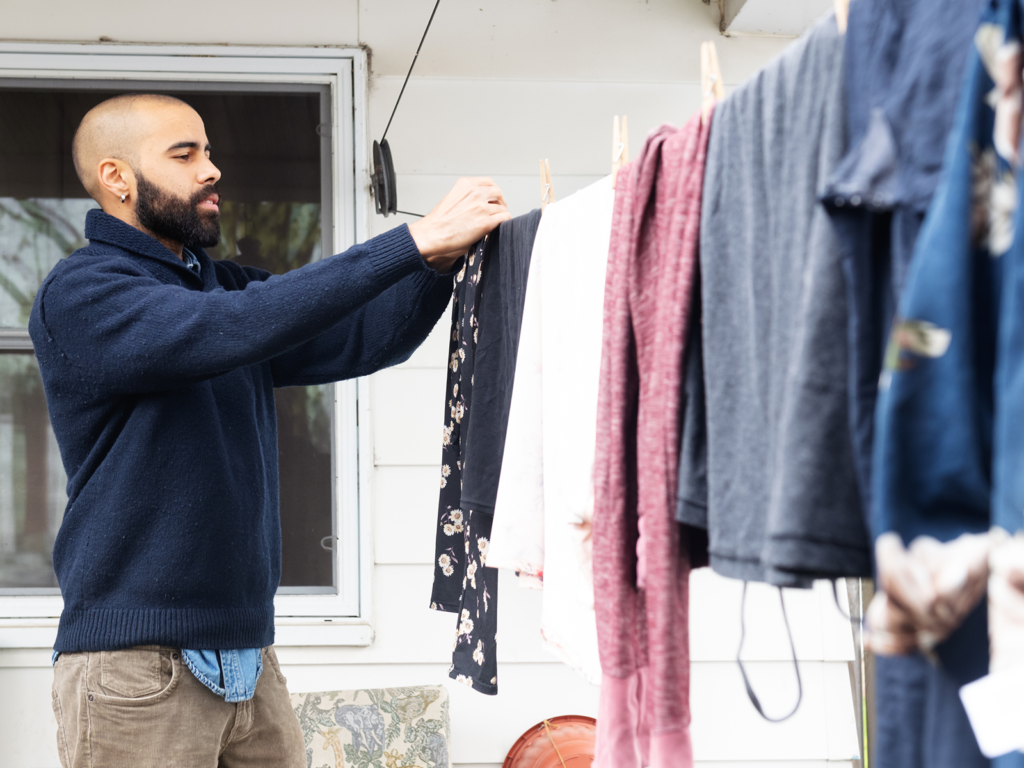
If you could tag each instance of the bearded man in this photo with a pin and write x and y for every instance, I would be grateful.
(159, 366)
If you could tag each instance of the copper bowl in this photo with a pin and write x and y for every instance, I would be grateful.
(566, 741)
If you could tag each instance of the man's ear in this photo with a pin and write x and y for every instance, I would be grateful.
(116, 178)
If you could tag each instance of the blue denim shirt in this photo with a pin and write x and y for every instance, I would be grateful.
(231, 674)
(190, 260)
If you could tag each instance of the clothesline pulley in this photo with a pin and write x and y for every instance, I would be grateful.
(383, 181)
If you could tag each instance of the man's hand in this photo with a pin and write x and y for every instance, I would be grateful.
(472, 209)
(926, 591)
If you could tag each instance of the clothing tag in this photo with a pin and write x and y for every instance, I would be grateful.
(995, 707)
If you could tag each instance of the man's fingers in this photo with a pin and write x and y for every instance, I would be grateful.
(472, 209)
(472, 188)
(489, 193)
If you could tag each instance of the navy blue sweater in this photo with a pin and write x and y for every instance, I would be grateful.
(160, 386)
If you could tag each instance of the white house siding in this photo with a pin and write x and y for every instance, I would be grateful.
(499, 86)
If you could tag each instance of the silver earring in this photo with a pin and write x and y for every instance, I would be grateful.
(122, 198)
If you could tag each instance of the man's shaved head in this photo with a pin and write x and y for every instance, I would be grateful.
(113, 128)
(145, 158)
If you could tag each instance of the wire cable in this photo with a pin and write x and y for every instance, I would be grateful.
(416, 56)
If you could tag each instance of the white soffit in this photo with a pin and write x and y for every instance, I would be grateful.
(785, 18)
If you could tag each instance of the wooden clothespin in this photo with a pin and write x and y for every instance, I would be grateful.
(620, 145)
(842, 15)
(712, 88)
(547, 192)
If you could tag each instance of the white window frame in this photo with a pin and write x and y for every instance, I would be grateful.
(30, 621)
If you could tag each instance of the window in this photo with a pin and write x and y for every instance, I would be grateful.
(282, 127)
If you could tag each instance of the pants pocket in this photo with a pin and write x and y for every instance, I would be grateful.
(134, 673)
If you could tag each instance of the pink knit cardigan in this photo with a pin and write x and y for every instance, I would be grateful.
(641, 571)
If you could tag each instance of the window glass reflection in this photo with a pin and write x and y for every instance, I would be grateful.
(35, 234)
(32, 480)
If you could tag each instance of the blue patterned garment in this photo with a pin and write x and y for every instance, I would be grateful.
(933, 448)
(1008, 448)
(904, 73)
(903, 76)
(938, 415)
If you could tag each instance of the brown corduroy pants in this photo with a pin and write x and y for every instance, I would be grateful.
(143, 708)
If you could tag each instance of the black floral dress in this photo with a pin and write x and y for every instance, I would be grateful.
(487, 319)
(462, 582)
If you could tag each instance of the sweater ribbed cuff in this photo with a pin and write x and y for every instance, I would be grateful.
(394, 254)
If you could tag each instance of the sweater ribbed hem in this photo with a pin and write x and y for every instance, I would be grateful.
(394, 254)
(108, 629)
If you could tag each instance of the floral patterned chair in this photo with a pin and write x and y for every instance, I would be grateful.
(382, 728)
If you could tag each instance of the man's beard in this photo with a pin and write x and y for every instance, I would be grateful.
(174, 218)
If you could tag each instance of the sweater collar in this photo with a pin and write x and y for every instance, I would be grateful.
(104, 228)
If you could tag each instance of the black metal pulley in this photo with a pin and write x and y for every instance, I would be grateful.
(385, 185)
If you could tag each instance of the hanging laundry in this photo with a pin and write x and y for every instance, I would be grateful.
(641, 572)
(692, 487)
(545, 504)
(1008, 479)
(782, 493)
(500, 318)
(933, 456)
(692, 492)
(933, 451)
(1006, 603)
(902, 80)
(486, 320)
(1006, 584)
(903, 76)
(517, 536)
(994, 702)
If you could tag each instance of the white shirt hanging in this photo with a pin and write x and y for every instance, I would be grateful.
(545, 497)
